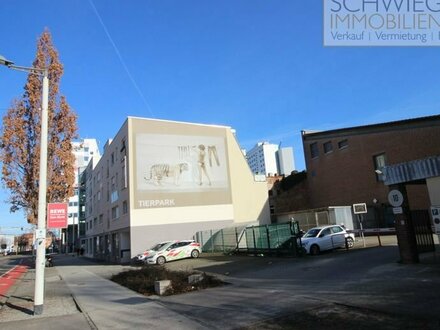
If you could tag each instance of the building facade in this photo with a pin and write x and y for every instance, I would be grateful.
(344, 165)
(161, 180)
(286, 160)
(84, 150)
(269, 159)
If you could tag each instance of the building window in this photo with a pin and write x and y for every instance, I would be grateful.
(314, 151)
(343, 144)
(115, 212)
(123, 148)
(379, 164)
(101, 217)
(328, 147)
(112, 158)
(124, 207)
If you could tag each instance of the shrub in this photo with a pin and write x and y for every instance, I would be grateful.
(142, 280)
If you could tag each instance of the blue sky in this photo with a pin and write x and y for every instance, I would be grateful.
(258, 66)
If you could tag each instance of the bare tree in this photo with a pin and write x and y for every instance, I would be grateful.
(20, 138)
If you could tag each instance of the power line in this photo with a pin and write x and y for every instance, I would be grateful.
(118, 53)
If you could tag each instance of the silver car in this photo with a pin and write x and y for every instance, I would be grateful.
(326, 238)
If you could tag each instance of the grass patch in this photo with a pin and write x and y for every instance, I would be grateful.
(142, 280)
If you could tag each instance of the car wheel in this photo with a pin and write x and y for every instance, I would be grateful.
(160, 260)
(350, 242)
(195, 253)
(314, 250)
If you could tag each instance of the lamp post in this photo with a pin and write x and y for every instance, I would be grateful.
(42, 186)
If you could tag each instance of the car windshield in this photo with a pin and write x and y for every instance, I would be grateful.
(312, 232)
(159, 246)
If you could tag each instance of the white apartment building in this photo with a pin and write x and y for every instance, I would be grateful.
(262, 158)
(161, 180)
(84, 150)
(268, 159)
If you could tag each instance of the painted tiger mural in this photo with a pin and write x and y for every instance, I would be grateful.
(160, 171)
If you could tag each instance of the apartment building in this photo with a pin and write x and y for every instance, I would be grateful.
(159, 180)
(269, 159)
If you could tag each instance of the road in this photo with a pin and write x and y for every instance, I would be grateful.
(11, 270)
(7, 263)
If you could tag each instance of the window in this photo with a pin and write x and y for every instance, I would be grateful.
(123, 148)
(325, 232)
(86, 158)
(328, 147)
(113, 158)
(314, 151)
(343, 144)
(86, 149)
(114, 196)
(379, 164)
(115, 212)
(101, 217)
(124, 207)
(336, 229)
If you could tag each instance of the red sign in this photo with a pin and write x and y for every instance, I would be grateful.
(57, 215)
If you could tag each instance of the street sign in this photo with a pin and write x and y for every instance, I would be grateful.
(40, 234)
(435, 212)
(395, 198)
(397, 210)
(57, 215)
(359, 208)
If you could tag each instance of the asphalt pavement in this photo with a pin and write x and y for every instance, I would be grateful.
(365, 286)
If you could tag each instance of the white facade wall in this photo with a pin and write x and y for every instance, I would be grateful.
(286, 161)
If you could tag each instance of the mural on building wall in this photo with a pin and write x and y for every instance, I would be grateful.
(178, 165)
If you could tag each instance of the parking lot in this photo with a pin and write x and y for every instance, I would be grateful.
(363, 288)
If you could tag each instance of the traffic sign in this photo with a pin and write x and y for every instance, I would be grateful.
(395, 198)
(360, 208)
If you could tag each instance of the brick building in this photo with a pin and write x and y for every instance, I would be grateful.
(344, 165)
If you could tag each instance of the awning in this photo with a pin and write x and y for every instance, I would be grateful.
(412, 171)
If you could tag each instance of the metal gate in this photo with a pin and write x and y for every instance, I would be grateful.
(423, 231)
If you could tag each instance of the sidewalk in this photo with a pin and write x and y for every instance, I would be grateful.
(59, 306)
(79, 298)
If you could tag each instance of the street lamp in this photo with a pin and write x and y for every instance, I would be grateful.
(42, 187)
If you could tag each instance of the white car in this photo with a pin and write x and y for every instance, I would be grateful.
(326, 238)
(169, 251)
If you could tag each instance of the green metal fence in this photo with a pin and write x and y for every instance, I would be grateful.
(273, 239)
